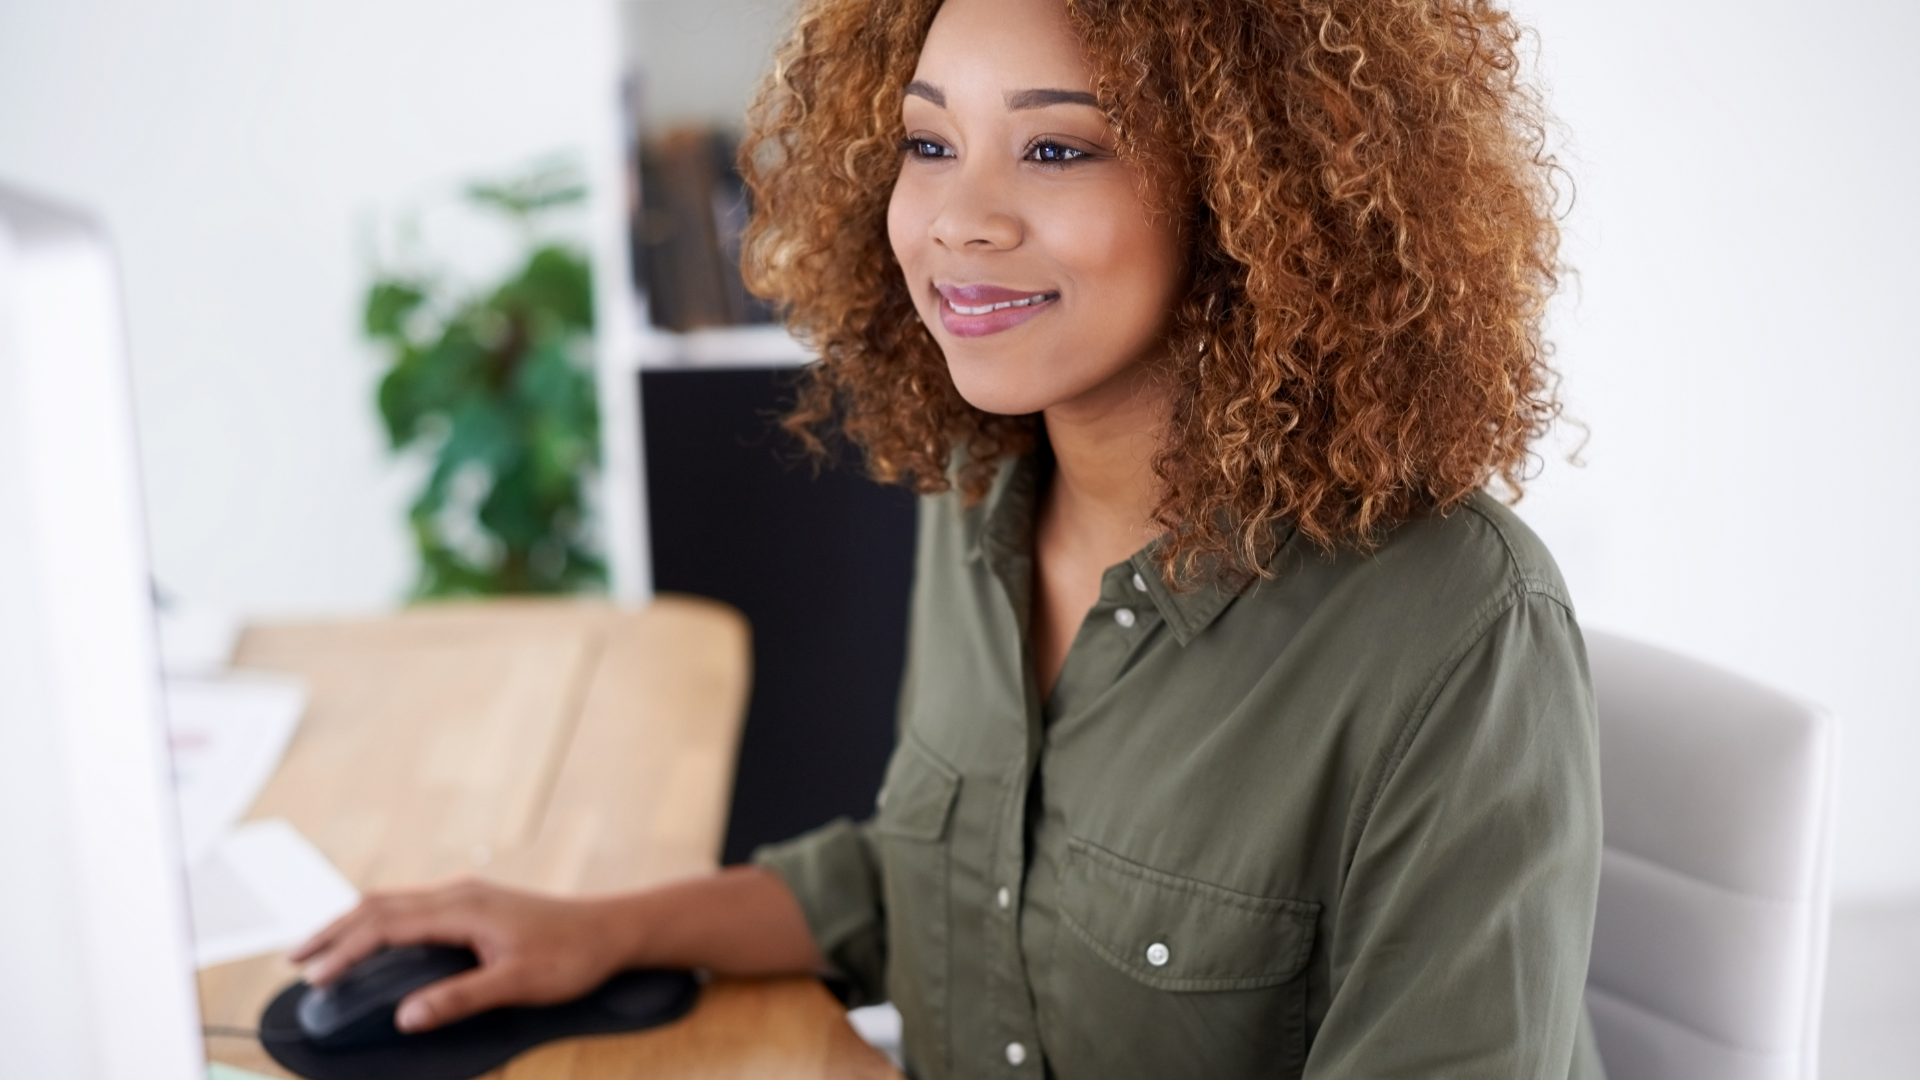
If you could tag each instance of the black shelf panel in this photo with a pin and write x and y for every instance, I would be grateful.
(821, 565)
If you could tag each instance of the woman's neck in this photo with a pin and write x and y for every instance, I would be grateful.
(1103, 490)
(1099, 502)
(1096, 509)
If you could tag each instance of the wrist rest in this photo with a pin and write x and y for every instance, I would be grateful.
(630, 1001)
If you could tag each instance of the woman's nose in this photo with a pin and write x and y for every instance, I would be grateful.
(976, 216)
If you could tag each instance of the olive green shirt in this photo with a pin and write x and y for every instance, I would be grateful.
(1340, 823)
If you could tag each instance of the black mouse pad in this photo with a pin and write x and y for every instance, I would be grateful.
(630, 1001)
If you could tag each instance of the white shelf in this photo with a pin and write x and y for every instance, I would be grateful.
(719, 349)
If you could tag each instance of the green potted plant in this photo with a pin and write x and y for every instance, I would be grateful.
(494, 385)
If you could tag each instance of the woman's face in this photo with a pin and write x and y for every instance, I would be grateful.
(1028, 246)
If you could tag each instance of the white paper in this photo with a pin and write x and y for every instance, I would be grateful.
(227, 735)
(264, 888)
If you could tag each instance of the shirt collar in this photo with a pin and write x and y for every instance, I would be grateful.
(1003, 535)
(1003, 522)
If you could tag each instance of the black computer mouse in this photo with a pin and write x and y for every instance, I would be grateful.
(357, 1010)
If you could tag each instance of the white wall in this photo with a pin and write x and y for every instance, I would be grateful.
(239, 152)
(1740, 340)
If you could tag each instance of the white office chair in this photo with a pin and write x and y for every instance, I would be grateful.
(1710, 944)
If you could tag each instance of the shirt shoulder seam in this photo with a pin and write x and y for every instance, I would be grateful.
(1522, 577)
(1492, 611)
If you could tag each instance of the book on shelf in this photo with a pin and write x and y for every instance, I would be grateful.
(692, 215)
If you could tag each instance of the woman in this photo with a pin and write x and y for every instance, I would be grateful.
(1243, 733)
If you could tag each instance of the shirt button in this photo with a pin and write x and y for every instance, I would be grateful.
(1124, 616)
(1016, 1054)
(1004, 898)
(1157, 955)
(1139, 583)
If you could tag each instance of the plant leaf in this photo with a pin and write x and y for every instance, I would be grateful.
(389, 303)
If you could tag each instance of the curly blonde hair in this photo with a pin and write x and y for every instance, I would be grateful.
(1369, 209)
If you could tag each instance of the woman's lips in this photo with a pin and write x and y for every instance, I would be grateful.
(979, 310)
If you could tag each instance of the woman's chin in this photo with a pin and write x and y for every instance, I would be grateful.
(1029, 384)
(991, 388)
(1002, 400)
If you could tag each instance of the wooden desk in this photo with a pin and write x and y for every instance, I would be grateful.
(568, 747)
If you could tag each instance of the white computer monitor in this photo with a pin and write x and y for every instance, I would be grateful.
(96, 980)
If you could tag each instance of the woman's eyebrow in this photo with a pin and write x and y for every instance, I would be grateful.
(1017, 100)
(1040, 99)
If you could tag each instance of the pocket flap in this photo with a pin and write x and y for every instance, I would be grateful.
(1175, 933)
(918, 795)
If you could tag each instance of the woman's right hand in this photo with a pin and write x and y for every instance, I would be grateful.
(533, 949)
(542, 950)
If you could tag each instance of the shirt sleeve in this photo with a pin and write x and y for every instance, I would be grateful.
(834, 873)
(1460, 942)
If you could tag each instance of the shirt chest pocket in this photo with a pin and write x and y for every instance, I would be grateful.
(1175, 933)
(1188, 978)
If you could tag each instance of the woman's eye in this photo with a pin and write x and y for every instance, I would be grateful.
(924, 148)
(1053, 153)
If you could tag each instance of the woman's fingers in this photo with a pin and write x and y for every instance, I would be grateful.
(456, 998)
(384, 921)
(350, 948)
(532, 949)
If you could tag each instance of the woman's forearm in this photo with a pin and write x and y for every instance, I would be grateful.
(740, 921)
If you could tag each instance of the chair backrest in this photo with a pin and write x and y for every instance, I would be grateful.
(1709, 947)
